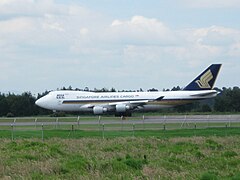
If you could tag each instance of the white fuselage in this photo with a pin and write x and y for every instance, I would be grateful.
(119, 101)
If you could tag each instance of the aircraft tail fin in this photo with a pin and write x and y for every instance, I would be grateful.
(206, 80)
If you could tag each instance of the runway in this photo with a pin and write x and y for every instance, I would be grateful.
(94, 120)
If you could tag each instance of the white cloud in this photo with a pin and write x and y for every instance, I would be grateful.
(84, 31)
(217, 35)
(192, 46)
(52, 22)
(82, 43)
(140, 29)
(15, 25)
(208, 44)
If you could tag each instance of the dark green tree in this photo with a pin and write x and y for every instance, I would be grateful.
(228, 100)
(4, 108)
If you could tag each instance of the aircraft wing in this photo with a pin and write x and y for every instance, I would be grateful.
(136, 102)
(133, 104)
(87, 106)
(129, 102)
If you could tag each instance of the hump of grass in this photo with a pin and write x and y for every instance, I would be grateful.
(75, 163)
(208, 176)
(135, 163)
(229, 154)
(211, 144)
(236, 177)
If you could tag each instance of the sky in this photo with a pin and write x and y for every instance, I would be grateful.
(125, 44)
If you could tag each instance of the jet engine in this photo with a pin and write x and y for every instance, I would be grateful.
(122, 108)
(99, 110)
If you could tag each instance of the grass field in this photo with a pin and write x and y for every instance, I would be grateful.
(121, 158)
(121, 151)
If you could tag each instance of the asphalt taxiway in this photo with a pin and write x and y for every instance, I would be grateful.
(131, 120)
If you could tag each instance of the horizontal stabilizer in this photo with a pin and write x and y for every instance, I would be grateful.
(205, 94)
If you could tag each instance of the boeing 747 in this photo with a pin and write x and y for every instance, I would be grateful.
(124, 103)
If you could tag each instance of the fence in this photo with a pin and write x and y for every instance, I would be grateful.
(40, 127)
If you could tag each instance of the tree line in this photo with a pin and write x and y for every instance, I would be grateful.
(20, 105)
(12, 104)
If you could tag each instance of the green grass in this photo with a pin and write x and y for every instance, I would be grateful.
(119, 152)
(148, 157)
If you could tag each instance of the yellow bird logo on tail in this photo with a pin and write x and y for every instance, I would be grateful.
(204, 80)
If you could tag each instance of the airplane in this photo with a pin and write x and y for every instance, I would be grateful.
(124, 103)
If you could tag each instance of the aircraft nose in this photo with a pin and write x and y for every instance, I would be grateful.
(40, 102)
(43, 102)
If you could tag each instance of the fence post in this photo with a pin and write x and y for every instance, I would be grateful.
(208, 121)
(12, 132)
(72, 129)
(99, 121)
(164, 119)
(184, 121)
(195, 128)
(57, 123)
(133, 128)
(143, 118)
(78, 121)
(103, 131)
(42, 132)
(226, 129)
(35, 123)
(122, 122)
(229, 120)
